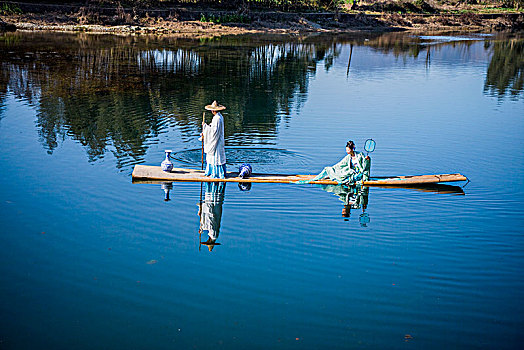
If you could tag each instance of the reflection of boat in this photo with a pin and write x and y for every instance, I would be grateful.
(146, 172)
(436, 188)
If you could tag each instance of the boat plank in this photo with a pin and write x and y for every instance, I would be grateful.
(147, 172)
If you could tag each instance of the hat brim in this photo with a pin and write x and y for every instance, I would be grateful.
(217, 108)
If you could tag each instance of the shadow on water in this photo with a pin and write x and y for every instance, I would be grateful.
(120, 94)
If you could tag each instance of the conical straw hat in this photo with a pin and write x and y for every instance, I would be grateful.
(215, 107)
(210, 244)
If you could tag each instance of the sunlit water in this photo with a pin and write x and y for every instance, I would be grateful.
(89, 260)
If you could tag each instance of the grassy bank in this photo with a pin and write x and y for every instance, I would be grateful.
(214, 17)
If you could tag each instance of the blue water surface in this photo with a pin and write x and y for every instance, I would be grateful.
(90, 260)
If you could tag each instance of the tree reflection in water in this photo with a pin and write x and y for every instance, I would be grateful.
(506, 69)
(505, 72)
(119, 94)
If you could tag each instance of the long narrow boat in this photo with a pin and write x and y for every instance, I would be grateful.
(147, 172)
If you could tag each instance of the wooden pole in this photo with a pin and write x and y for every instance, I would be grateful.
(203, 121)
(201, 185)
(200, 218)
(350, 54)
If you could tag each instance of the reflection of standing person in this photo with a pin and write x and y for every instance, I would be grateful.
(213, 135)
(211, 215)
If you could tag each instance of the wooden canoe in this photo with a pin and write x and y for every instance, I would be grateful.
(147, 172)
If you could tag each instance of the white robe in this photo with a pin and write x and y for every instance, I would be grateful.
(214, 141)
(212, 209)
(211, 218)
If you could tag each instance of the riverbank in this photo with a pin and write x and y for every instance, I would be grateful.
(200, 22)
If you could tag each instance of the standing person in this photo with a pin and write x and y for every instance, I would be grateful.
(213, 135)
(353, 167)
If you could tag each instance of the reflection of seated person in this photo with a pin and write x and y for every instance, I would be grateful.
(353, 197)
(352, 168)
(211, 213)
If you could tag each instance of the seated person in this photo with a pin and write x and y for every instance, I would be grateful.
(353, 167)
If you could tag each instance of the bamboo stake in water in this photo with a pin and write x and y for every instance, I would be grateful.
(350, 54)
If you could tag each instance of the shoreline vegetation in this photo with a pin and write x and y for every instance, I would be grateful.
(208, 18)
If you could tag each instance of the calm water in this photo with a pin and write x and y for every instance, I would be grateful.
(89, 260)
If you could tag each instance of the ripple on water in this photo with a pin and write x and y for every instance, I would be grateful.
(261, 159)
(436, 39)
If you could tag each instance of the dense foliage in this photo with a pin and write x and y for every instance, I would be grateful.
(226, 4)
(427, 6)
